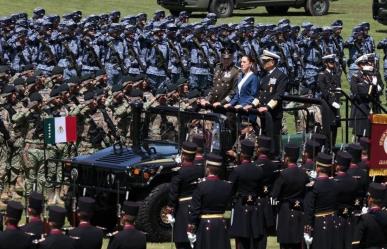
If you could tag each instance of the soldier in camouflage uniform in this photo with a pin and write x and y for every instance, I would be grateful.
(33, 149)
(120, 107)
(55, 108)
(91, 125)
(10, 161)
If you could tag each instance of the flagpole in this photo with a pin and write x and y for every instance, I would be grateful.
(45, 161)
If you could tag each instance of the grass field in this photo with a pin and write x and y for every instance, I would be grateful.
(351, 12)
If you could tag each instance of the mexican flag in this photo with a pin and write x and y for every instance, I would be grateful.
(60, 130)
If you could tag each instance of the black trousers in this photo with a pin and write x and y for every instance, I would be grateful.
(182, 245)
(291, 246)
(251, 243)
(277, 136)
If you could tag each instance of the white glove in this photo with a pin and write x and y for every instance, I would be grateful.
(374, 80)
(273, 201)
(308, 240)
(313, 174)
(364, 210)
(336, 105)
(191, 238)
(379, 88)
(170, 219)
(178, 159)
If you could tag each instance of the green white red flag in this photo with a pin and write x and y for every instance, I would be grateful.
(60, 130)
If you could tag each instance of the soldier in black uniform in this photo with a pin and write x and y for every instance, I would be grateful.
(321, 139)
(180, 194)
(35, 225)
(371, 232)
(200, 142)
(359, 174)
(329, 83)
(209, 202)
(13, 237)
(320, 205)
(289, 190)
(264, 161)
(247, 219)
(366, 89)
(129, 237)
(268, 100)
(56, 239)
(347, 188)
(89, 236)
(310, 153)
(365, 145)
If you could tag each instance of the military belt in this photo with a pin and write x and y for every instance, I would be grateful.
(185, 198)
(212, 216)
(324, 214)
(201, 65)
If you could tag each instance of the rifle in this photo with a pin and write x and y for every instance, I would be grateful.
(238, 145)
(118, 204)
(117, 56)
(74, 176)
(49, 51)
(255, 55)
(26, 205)
(46, 225)
(179, 61)
(137, 57)
(160, 57)
(110, 124)
(282, 54)
(73, 60)
(90, 48)
(341, 56)
(212, 47)
(203, 54)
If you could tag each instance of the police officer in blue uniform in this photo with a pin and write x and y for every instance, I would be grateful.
(157, 58)
(200, 66)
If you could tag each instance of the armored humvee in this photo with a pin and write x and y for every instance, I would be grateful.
(143, 171)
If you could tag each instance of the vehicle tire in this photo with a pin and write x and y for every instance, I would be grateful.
(277, 10)
(222, 8)
(150, 217)
(317, 7)
(174, 12)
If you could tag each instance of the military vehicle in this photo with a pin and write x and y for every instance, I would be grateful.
(143, 171)
(225, 8)
(379, 11)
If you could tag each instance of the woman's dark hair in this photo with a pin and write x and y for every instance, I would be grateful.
(251, 59)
